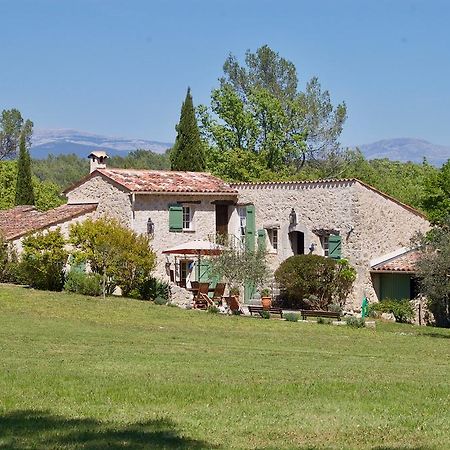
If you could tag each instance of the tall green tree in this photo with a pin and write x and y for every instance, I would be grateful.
(12, 127)
(258, 108)
(24, 185)
(188, 153)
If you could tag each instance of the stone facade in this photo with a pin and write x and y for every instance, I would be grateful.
(370, 224)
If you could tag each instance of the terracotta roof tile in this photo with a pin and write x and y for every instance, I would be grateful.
(21, 220)
(163, 181)
(402, 263)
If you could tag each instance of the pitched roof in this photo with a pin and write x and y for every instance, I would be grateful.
(163, 181)
(405, 263)
(21, 220)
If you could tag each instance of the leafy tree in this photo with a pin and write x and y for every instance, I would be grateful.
(434, 271)
(12, 127)
(8, 261)
(122, 257)
(436, 198)
(315, 281)
(43, 260)
(258, 108)
(24, 185)
(188, 153)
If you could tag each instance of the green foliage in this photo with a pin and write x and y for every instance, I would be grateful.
(83, 283)
(239, 266)
(12, 128)
(323, 321)
(160, 301)
(43, 260)
(188, 153)
(152, 288)
(8, 262)
(47, 194)
(314, 281)
(123, 257)
(258, 109)
(291, 317)
(434, 270)
(401, 309)
(436, 198)
(24, 185)
(213, 309)
(355, 322)
(264, 314)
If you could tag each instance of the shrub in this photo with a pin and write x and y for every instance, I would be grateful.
(291, 317)
(8, 262)
(323, 321)
(43, 260)
(121, 256)
(314, 281)
(401, 309)
(335, 308)
(152, 288)
(160, 301)
(355, 322)
(213, 309)
(265, 314)
(83, 283)
(236, 312)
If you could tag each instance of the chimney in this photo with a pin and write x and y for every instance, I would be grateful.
(98, 160)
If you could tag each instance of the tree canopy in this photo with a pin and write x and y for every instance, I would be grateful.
(12, 127)
(188, 153)
(24, 185)
(258, 108)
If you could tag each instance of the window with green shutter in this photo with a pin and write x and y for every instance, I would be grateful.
(250, 228)
(334, 246)
(175, 218)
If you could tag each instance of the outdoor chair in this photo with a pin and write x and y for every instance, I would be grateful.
(201, 300)
(233, 304)
(219, 290)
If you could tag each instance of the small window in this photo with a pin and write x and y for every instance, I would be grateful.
(187, 218)
(273, 238)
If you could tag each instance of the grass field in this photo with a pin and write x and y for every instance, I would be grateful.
(83, 373)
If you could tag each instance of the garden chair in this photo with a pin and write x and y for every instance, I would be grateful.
(219, 290)
(233, 304)
(201, 300)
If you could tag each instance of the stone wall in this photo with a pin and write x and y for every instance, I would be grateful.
(369, 224)
(156, 207)
(113, 200)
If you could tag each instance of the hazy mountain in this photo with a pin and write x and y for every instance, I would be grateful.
(82, 143)
(406, 149)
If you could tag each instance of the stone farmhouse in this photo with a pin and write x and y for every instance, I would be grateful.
(336, 218)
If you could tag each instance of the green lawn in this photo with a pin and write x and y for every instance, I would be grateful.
(77, 372)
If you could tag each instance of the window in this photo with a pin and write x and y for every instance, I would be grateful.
(187, 218)
(273, 238)
(331, 244)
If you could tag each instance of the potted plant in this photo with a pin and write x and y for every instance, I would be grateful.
(266, 298)
(234, 292)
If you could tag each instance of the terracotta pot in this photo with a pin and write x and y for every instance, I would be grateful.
(266, 302)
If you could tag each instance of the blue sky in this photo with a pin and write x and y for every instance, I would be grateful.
(122, 67)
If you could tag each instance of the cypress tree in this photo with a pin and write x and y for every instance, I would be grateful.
(188, 153)
(24, 186)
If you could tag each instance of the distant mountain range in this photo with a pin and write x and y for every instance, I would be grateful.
(407, 149)
(82, 143)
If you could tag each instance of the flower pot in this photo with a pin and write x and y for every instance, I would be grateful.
(266, 302)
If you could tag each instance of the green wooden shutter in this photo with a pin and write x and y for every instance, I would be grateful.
(250, 228)
(175, 218)
(261, 240)
(334, 246)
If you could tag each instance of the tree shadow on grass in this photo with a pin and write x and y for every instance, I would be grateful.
(20, 430)
(435, 335)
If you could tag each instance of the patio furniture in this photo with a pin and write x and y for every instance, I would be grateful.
(311, 313)
(201, 300)
(219, 290)
(233, 304)
(259, 309)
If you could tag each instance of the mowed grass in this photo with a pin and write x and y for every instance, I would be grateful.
(84, 373)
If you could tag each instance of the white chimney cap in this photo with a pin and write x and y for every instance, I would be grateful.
(98, 154)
